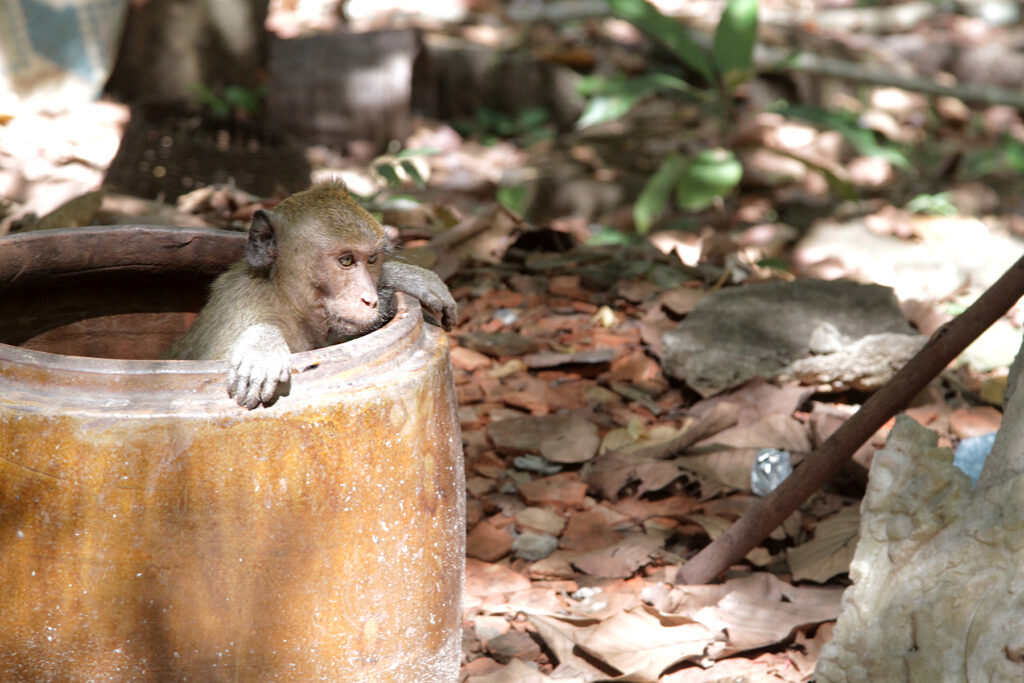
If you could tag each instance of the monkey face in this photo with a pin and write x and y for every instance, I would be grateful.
(348, 292)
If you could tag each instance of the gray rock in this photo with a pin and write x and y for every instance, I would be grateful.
(737, 334)
(533, 546)
(865, 364)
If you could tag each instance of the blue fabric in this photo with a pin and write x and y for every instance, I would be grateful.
(44, 38)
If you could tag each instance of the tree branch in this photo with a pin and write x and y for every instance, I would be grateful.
(778, 59)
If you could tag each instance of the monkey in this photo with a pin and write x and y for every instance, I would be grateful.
(314, 274)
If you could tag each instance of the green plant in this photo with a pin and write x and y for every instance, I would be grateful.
(392, 167)
(528, 126)
(866, 141)
(230, 100)
(695, 181)
(718, 71)
(1006, 156)
(513, 197)
(939, 204)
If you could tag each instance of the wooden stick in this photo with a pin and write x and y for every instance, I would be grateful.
(826, 460)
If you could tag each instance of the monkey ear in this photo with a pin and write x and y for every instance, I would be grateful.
(261, 249)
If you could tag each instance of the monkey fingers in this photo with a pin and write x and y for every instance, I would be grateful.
(441, 305)
(256, 379)
(445, 316)
(259, 362)
(450, 315)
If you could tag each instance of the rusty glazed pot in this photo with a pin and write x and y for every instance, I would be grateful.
(150, 529)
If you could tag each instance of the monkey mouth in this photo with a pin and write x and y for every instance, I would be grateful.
(342, 329)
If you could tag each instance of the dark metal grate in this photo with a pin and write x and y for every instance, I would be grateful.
(170, 152)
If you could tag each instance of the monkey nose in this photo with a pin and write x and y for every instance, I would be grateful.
(372, 303)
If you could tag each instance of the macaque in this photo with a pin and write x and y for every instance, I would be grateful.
(314, 274)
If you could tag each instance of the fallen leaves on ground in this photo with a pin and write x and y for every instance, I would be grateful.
(592, 477)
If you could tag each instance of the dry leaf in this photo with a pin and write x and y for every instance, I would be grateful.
(576, 442)
(588, 531)
(830, 551)
(771, 431)
(762, 610)
(682, 300)
(642, 643)
(638, 642)
(73, 213)
(564, 438)
(806, 660)
(553, 359)
(716, 526)
(611, 472)
(563, 489)
(654, 475)
(517, 671)
(619, 561)
(483, 579)
(730, 468)
(757, 399)
(563, 634)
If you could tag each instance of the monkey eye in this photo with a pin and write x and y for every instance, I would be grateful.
(346, 260)
(372, 259)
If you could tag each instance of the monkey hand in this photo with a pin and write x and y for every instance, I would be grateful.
(259, 363)
(426, 286)
(442, 306)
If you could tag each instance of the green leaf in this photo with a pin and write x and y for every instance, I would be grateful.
(733, 47)
(417, 152)
(513, 198)
(612, 98)
(605, 108)
(710, 174)
(607, 236)
(387, 171)
(864, 140)
(414, 173)
(653, 198)
(939, 204)
(532, 117)
(668, 32)
(836, 185)
(1014, 154)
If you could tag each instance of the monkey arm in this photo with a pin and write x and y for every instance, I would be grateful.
(423, 284)
(259, 363)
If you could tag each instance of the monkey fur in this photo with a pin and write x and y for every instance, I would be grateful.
(314, 274)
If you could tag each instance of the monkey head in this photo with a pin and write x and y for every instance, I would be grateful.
(324, 255)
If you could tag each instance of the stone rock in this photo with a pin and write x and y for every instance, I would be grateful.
(737, 334)
(938, 579)
(864, 365)
(533, 546)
